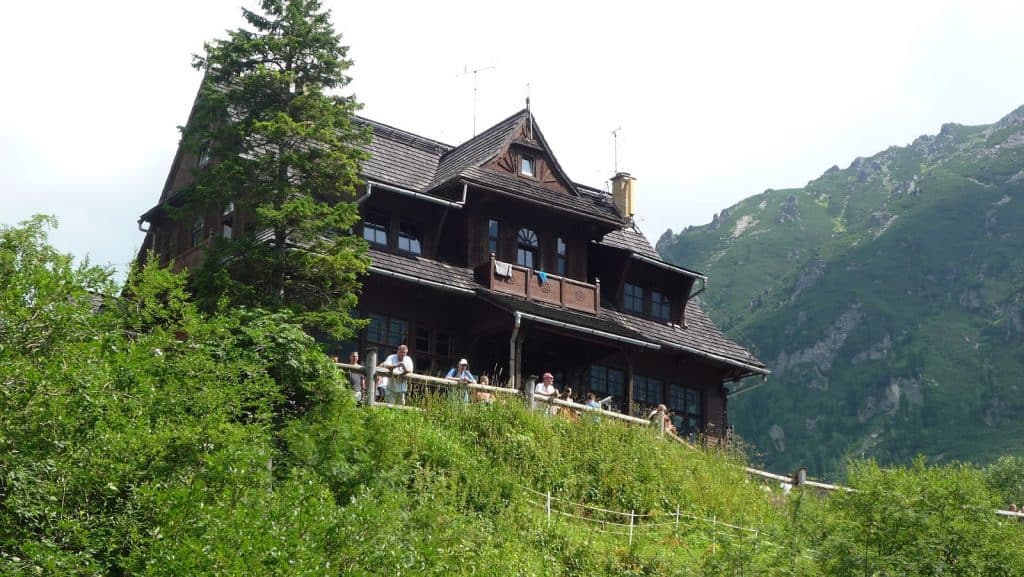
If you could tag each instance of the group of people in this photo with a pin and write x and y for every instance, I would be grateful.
(392, 387)
(546, 387)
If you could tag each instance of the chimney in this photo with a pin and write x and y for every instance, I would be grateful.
(622, 193)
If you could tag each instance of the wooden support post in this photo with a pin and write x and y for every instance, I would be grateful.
(369, 372)
(800, 476)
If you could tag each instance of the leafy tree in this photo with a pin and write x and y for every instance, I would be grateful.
(1006, 478)
(920, 520)
(135, 432)
(284, 155)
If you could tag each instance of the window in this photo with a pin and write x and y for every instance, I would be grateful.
(389, 331)
(197, 230)
(205, 155)
(375, 228)
(493, 231)
(687, 410)
(647, 391)
(422, 344)
(433, 350)
(527, 166)
(606, 381)
(633, 298)
(561, 257)
(526, 248)
(660, 306)
(228, 221)
(410, 237)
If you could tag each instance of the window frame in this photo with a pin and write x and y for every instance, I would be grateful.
(600, 383)
(660, 311)
(561, 256)
(688, 417)
(523, 247)
(376, 227)
(198, 230)
(525, 160)
(630, 298)
(386, 330)
(493, 236)
(414, 240)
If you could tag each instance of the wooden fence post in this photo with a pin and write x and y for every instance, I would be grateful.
(677, 516)
(369, 372)
(549, 508)
(631, 516)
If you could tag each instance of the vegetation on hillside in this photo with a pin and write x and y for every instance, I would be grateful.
(142, 436)
(886, 298)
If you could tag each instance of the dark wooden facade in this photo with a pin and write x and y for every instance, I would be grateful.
(584, 295)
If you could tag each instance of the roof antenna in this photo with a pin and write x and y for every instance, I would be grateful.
(615, 145)
(528, 113)
(465, 71)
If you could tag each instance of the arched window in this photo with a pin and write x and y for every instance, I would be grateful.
(526, 248)
(198, 227)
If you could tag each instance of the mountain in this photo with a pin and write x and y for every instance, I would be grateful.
(887, 299)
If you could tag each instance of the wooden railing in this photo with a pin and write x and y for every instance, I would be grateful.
(191, 258)
(541, 287)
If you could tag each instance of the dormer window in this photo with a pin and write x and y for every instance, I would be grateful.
(375, 228)
(661, 308)
(633, 298)
(410, 237)
(528, 166)
(526, 248)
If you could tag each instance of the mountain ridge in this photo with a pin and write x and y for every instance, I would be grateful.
(884, 296)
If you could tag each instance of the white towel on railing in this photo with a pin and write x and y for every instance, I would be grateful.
(502, 269)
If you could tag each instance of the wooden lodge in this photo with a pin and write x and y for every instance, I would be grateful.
(489, 251)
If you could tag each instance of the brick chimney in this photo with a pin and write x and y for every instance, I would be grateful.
(622, 193)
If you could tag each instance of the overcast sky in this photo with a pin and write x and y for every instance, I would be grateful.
(716, 101)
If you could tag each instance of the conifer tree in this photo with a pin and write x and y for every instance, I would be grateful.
(283, 155)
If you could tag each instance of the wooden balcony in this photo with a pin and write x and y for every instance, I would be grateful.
(554, 290)
(191, 258)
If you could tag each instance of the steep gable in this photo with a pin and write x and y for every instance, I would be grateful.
(503, 148)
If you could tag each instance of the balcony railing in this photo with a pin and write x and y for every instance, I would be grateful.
(192, 257)
(531, 285)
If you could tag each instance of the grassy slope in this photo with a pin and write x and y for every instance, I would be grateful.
(448, 492)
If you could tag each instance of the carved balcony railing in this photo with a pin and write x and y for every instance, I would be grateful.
(546, 288)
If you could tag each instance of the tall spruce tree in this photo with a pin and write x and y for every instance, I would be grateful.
(284, 156)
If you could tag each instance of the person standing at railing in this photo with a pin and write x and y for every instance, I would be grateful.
(394, 383)
(461, 373)
(547, 388)
(356, 380)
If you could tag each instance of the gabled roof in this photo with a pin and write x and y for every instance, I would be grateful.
(419, 164)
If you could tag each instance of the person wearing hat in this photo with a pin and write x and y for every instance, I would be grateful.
(547, 388)
(462, 373)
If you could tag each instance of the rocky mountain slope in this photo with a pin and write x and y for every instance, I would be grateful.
(887, 297)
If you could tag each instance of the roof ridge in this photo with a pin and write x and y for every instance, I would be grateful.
(486, 133)
(428, 144)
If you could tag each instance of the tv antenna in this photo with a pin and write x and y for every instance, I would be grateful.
(466, 71)
(615, 146)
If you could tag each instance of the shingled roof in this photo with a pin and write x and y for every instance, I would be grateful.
(419, 164)
(423, 268)
(699, 335)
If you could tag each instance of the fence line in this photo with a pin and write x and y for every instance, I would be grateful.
(797, 479)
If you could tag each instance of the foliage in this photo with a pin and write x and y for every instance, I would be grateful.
(145, 436)
(924, 520)
(285, 157)
(1005, 478)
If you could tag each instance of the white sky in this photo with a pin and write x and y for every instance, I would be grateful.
(717, 100)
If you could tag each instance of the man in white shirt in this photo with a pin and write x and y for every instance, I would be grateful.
(547, 388)
(394, 383)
